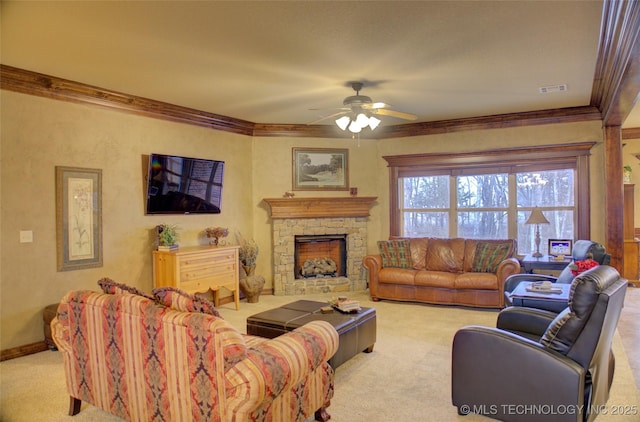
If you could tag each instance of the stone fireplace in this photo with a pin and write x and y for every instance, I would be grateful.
(320, 223)
(320, 255)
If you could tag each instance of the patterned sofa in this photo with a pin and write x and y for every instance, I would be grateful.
(456, 271)
(170, 356)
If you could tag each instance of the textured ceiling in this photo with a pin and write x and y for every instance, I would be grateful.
(271, 62)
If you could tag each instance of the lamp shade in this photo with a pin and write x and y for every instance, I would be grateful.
(354, 127)
(537, 217)
(373, 122)
(362, 120)
(343, 122)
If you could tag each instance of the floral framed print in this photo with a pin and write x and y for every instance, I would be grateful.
(320, 169)
(78, 218)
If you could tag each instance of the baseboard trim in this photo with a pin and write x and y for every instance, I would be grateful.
(21, 351)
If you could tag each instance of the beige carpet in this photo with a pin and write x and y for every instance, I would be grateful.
(406, 378)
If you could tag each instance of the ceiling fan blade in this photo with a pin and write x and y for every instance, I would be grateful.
(331, 108)
(380, 105)
(332, 116)
(398, 114)
(374, 106)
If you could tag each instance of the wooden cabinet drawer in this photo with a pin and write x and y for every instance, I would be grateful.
(205, 271)
(212, 280)
(203, 260)
(195, 286)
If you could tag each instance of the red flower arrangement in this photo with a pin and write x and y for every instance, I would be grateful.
(580, 266)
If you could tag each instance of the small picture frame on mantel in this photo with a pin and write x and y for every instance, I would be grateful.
(320, 169)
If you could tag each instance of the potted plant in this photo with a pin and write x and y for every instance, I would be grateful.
(626, 171)
(250, 284)
(167, 236)
(248, 253)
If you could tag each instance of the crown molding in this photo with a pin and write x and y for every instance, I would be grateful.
(631, 133)
(33, 83)
(616, 83)
(38, 84)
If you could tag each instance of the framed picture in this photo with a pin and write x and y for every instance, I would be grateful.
(320, 169)
(78, 218)
(560, 247)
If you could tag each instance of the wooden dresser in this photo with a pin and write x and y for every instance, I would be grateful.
(197, 269)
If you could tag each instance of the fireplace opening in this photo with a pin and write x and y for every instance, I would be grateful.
(323, 255)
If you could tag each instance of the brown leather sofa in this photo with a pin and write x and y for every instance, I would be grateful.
(458, 271)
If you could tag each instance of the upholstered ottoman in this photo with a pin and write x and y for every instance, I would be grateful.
(357, 331)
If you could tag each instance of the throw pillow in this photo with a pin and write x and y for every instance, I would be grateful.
(489, 255)
(395, 253)
(113, 288)
(185, 302)
(579, 267)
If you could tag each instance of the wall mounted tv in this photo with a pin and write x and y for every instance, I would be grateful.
(182, 185)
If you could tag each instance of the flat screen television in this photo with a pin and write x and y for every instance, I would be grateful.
(183, 185)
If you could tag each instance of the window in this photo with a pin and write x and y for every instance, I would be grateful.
(426, 206)
(492, 197)
(552, 191)
(483, 206)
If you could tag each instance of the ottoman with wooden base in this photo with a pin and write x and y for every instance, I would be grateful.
(357, 330)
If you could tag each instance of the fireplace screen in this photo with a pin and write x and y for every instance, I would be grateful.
(320, 255)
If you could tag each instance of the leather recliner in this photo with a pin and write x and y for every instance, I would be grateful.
(582, 249)
(537, 365)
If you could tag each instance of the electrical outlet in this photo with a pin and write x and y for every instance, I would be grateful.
(26, 236)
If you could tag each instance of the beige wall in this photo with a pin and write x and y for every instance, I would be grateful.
(38, 134)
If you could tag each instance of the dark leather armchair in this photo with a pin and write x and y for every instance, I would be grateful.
(582, 249)
(537, 365)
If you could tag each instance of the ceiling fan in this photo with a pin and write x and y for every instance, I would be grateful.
(360, 111)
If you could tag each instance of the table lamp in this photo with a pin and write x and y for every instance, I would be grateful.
(537, 217)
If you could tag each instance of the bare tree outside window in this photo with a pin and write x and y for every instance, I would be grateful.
(484, 206)
(554, 192)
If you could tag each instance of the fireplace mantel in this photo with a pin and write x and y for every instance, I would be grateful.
(329, 207)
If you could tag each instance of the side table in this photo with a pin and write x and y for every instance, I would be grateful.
(554, 302)
(48, 314)
(545, 262)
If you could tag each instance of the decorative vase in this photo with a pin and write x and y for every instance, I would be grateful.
(213, 241)
(251, 285)
(626, 176)
(249, 269)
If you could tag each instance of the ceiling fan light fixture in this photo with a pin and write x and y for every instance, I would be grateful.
(354, 127)
(362, 120)
(359, 112)
(374, 122)
(343, 122)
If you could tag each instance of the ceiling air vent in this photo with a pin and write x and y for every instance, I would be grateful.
(553, 88)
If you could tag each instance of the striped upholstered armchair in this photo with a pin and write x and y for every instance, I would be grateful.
(168, 356)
